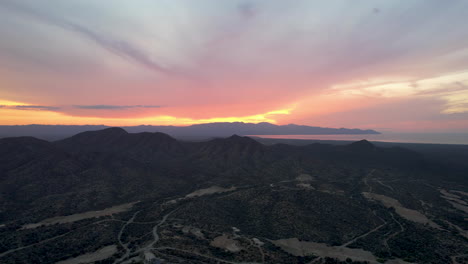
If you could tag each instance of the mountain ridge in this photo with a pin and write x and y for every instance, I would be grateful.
(219, 129)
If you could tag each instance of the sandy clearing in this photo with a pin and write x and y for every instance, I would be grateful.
(305, 186)
(206, 191)
(459, 201)
(149, 256)
(304, 178)
(460, 192)
(226, 243)
(462, 231)
(425, 204)
(458, 206)
(197, 233)
(194, 231)
(258, 242)
(455, 200)
(210, 190)
(302, 248)
(77, 217)
(100, 254)
(408, 214)
(451, 195)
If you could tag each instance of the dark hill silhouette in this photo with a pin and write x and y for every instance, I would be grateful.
(95, 139)
(234, 146)
(23, 150)
(118, 140)
(362, 145)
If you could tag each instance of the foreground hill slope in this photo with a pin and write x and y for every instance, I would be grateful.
(129, 196)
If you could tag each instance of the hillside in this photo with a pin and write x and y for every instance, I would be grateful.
(117, 197)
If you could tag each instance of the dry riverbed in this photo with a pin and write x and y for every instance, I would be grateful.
(296, 247)
(101, 254)
(303, 248)
(201, 192)
(77, 217)
(210, 190)
(455, 200)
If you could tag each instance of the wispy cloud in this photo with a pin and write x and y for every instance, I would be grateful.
(114, 107)
(88, 107)
(35, 107)
(119, 47)
(451, 88)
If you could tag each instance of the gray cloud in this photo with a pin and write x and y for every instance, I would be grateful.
(118, 47)
(247, 10)
(114, 107)
(36, 107)
(90, 107)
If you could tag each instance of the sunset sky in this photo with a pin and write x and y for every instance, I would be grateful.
(375, 64)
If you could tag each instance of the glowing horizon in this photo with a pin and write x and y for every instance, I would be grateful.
(14, 110)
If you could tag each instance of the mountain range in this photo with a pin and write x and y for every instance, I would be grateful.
(199, 131)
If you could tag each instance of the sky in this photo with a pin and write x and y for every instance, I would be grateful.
(398, 66)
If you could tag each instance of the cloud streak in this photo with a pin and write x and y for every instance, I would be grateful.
(34, 107)
(119, 47)
(114, 107)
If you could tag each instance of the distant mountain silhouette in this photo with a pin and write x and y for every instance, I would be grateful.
(362, 145)
(55, 132)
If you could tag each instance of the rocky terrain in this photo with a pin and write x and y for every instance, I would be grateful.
(109, 196)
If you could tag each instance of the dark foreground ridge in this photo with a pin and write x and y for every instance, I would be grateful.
(117, 197)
